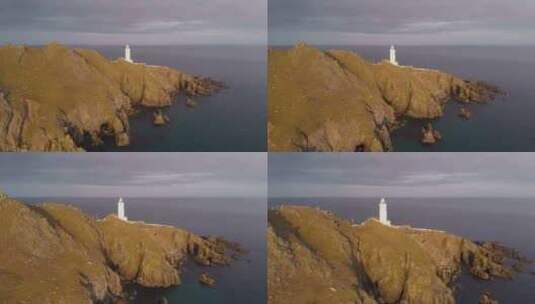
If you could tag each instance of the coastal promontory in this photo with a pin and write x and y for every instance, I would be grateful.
(54, 253)
(334, 100)
(56, 98)
(317, 257)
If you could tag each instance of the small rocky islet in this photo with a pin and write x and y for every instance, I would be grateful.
(54, 253)
(56, 98)
(336, 101)
(159, 118)
(430, 135)
(316, 257)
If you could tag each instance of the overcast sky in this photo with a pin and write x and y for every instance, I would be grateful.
(402, 175)
(133, 21)
(353, 22)
(133, 174)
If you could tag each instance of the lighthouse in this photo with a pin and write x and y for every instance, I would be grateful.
(120, 210)
(128, 54)
(383, 215)
(393, 55)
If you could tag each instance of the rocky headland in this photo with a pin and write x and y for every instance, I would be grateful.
(55, 98)
(335, 100)
(54, 253)
(317, 257)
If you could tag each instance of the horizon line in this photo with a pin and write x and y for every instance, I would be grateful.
(396, 44)
(126, 196)
(386, 196)
(131, 44)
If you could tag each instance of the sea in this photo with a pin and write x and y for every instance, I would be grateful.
(233, 119)
(506, 220)
(242, 220)
(505, 124)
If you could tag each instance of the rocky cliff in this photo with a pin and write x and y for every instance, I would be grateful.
(54, 253)
(316, 257)
(55, 98)
(336, 101)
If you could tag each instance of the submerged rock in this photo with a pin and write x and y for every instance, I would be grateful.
(163, 300)
(206, 279)
(76, 96)
(519, 267)
(310, 251)
(335, 100)
(191, 103)
(486, 298)
(50, 246)
(465, 113)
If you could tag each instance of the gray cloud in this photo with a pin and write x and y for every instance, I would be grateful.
(402, 175)
(134, 174)
(407, 21)
(135, 21)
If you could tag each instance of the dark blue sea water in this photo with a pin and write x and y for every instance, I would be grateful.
(241, 220)
(505, 124)
(509, 221)
(231, 120)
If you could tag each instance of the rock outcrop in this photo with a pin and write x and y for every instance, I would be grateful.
(191, 103)
(430, 135)
(465, 113)
(54, 253)
(337, 101)
(316, 257)
(206, 279)
(55, 98)
(486, 298)
(159, 118)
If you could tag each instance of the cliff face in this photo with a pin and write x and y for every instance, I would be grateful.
(54, 253)
(336, 101)
(58, 99)
(313, 256)
(151, 255)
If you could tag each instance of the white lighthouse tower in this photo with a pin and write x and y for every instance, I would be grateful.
(393, 55)
(128, 54)
(120, 210)
(383, 215)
